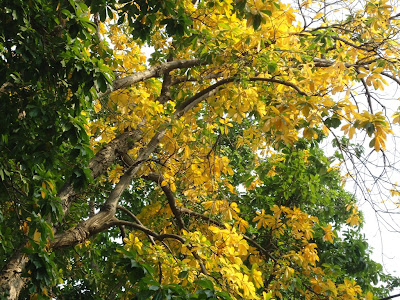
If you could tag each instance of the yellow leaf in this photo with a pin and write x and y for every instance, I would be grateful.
(275, 110)
(345, 128)
(353, 220)
(325, 130)
(377, 146)
(362, 75)
(242, 225)
(319, 15)
(50, 185)
(25, 227)
(351, 132)
(369, 296)
(208, 204)
(328, 233)
(44, 292)
(97, 107)
(173, 187)
(36, 236)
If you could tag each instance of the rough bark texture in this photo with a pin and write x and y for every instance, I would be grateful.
(106, 217)
(156, 71)
(11, 281)
(98, 223)
(107, 155)
(99, 164)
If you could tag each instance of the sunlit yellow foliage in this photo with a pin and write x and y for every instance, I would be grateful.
(354, 218)
(282, 83)
(115, 174)
(328, 236)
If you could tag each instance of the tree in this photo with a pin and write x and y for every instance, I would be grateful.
(197, 174)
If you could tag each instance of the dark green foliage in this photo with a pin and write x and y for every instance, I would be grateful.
(47, 81)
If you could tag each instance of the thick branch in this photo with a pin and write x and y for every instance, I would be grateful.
(10, 276)
(156, 236)
(200, 96)
(84, 230)
(322, 62)
(107, 155)
(279, 81)
(124, 181)
(132, 215)
(156, 71)
(143, 156)
(101, 221)
(170, 197)
(165, 94)
(191, 79)
(100, 163)
(97, 22)
(212, 89)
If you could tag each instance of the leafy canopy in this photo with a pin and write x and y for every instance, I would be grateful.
(197, 173)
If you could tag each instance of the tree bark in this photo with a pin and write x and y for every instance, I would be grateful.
(100, 163)
(11, 281)
(98, 223)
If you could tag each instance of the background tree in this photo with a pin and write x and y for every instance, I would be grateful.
(195, 174)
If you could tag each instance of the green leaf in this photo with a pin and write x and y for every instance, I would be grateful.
(272, 67)
(183, 274)
(332, 122)
(257, 21)
(101, 83)
(267, 12)
(206, 284)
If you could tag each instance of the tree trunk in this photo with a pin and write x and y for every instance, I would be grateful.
(11, 280)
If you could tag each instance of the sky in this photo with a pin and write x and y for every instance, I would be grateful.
(370, 183)
(382, 229)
